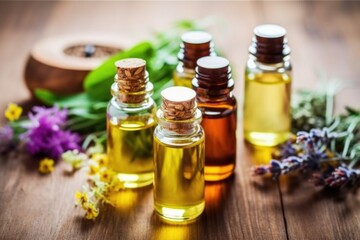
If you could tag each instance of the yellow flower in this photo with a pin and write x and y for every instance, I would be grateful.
(91, 211)
(75, 158)
(93, 169)
(13, 112)
(101, 159)
(81, 198)
(46, 166)
(107, 175)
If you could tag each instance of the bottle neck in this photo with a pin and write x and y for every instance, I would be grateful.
(213, 85)
(269, 50)
(254, 63)
(139, 99)
(189, 53)
(179, 127)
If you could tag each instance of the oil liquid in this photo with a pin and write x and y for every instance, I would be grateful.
(267, 108)
(130, 151)
(182, 78)
(179, 180)
(220, 152)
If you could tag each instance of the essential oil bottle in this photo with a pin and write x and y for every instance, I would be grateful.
(214, 86)
(131, 122)
(195, 44)
(179, 155)
(267, 90)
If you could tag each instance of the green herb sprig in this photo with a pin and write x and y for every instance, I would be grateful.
(87, 110)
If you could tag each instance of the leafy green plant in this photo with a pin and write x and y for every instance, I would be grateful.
(87, 110)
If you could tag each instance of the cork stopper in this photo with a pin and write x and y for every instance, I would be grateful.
(131, 79)
(178, 103)
(269, 43)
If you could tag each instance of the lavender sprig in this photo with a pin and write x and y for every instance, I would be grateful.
(338, 177)
(307, 154)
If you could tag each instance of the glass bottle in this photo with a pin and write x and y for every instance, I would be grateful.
(267, 92)
(179, 155)
(214, 94)
(131, 122)
(195, 44)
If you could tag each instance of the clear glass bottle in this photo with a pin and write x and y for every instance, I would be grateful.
(267, 92)
(195, 44)
(214, 86)
(131, 122)
(179, 155)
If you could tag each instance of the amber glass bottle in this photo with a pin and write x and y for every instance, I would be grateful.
(214, 94)
(195, 44)
(267, 87)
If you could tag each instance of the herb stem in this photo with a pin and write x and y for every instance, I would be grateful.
(329, 107)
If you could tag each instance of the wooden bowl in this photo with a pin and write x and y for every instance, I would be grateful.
(60, 64)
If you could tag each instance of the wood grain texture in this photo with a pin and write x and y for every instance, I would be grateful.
(323, 36)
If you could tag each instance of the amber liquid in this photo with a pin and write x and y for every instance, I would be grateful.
(219, 124)
(179, 180)
(129, 147)
(267, 108)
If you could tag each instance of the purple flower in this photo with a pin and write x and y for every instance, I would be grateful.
(260, 170)
(53, 116)
(6, 139)
(342, 176)
(311, 149)
(45, 136)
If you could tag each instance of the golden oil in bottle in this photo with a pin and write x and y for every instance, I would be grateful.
(267, 90)
(131, 122)
(267, 118)
(195, 44)
(179, 179)
(130, 151)
(214, 86)
(179, 155)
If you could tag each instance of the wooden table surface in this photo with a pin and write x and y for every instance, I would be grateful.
(325, 38)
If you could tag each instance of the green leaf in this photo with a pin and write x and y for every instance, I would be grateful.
(49, 98)
(352, 111)
(86, 113)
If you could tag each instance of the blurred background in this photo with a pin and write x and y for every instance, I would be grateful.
(324, 36)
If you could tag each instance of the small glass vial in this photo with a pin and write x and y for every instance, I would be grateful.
(195, 44)
(267, 90)
(214, 94)
(131, 122)
(179, 155)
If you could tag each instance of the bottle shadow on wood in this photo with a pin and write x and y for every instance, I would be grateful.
(261, 156)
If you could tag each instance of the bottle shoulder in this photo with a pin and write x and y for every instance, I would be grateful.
(218, 109)
(144, 113)
(253, 66)
(184, 72)
(117, 106)
(179, 140)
